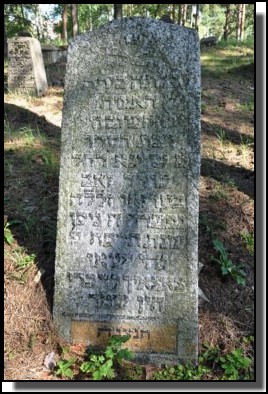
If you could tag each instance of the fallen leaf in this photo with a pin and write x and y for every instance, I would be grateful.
(78, 349)
(44, 375)
(149, 370)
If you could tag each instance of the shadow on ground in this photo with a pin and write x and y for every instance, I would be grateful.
(31, 186)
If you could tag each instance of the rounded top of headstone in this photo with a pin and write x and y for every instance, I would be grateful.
(24, 34)
(166, 18)
(134, 27)
(49, 47)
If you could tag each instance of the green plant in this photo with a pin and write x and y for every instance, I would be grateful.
(245, 146)
(20, 259)
(218, 194)
(210, 354)
(8, 237)
(248, 339)
(64, 369)
(25, 261)
(233, 42)
(181, 372)
(5, 64)
(231, 366)
(249, 239)
(210, 224)
(132, 371)
(247, 106)
(203, 108)
(7, 234)
(221, 135)
(235, 365)
(227, 266)
(102, 366)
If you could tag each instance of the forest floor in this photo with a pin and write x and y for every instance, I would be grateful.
(32, 152)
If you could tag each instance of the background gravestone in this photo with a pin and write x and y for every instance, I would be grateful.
(126, 258)
(26, 71)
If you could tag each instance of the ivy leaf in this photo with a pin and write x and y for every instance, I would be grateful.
(240, 280)
(69, 373)
(8, 237)
(85, 367)
(126, 354)
(109, 352)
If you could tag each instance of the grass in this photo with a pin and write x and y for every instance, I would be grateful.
(219, 193)
(5, 64)
(211, 225)
(248, 106)
(222, 137)
(21, 262)
(245, 147)
(249, 240)
(31, 169)
(233, 43)
(233, 59)
(30, 146)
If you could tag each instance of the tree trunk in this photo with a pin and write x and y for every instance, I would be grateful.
(179, 14)
(191, 20)
(184, 12)
(227, 22)
(22, 13)
(197, 17)
(239, 21)
(118, 11)
(64, 24)
(37, 21)
(75, 19)
(5, 41)
(173, 12)
(243, 22)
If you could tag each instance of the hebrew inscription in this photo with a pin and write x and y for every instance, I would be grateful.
(127, 221)
(26, 72)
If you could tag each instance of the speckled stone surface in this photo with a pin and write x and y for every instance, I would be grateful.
(26, 71)
(127, 238)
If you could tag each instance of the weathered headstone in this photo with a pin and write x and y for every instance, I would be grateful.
(209, 41)
(26, 71)
(126, 258)
(50, 53)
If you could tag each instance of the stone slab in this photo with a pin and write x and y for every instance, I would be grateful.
(127, 238)
(26, 71)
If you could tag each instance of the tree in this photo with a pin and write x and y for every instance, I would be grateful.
(226, 32)
(197, 10)
(174, 12)
(249, 20)
(243, 21)
(64, 23)
(179, 14)
(15, 18)
(75, 19)
(184, 12)
(241, 11)
(5, 40)
(38, 21)
(118, 11)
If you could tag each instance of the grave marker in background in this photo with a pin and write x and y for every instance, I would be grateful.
(26, 71)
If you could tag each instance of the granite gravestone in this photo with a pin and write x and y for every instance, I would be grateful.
(26, 71)
(126, 258)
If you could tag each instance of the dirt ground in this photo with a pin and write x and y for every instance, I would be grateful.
(31, 190)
